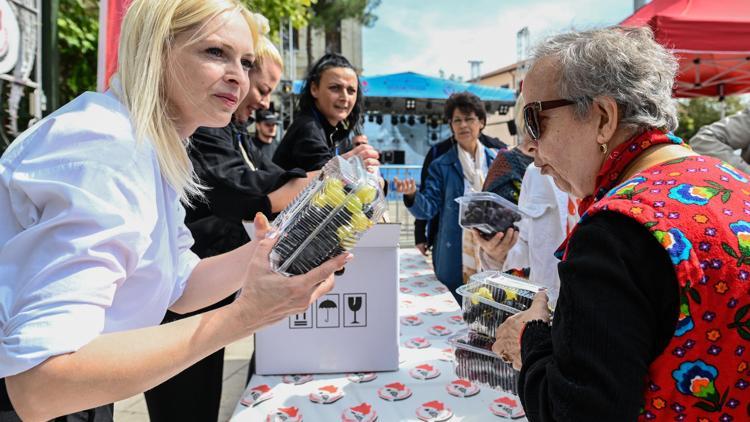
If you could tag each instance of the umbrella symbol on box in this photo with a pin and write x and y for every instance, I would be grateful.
(327, 304)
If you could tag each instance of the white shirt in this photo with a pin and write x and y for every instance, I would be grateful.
(92, 237)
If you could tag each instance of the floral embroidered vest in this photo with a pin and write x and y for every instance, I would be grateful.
(698, 208)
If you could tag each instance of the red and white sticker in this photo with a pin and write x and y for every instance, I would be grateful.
(439, 330)
(256, 395)
(411, 320)
(447, 355)
(362, 412)
(425, 294)
(462, 388)
(285, 414)
(424, 372)
(434, 411)
(296, 379)
(405, 289)
(456, 319)
(417, 343)
(394, 392)
(507, 406)
(360, 377)
(432, 312)
(419, 284)
(326, 394)
(440, 289)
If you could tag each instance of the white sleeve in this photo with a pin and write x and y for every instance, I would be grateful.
(83, 231)
(187, 260)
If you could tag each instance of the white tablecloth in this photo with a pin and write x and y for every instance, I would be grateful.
(421, 295)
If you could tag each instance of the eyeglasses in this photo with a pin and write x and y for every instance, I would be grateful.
(531, 115)
(469, 121)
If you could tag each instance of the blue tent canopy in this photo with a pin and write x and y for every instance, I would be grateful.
(412, 85)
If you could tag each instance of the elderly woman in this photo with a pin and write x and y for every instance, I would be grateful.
(462, 169)
(652, 318)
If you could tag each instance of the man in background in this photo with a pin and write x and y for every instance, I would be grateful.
(265, 133)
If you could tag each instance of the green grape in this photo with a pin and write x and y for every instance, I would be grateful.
(360, 222)
(481, 292)
(366, 194)
(353, 204)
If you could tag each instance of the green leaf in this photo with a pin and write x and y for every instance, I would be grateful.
(675, 161)
(706, 406)
(714, 184)
(694, 295)
(650, 224)
(636, 192)
(744, 333)
(740, 315)
(723, 398)
(726, 196)
(728, 249)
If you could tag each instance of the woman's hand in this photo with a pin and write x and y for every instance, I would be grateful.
(508, 335)
(367, 153)
(498, 246)
(267, 296)
(407, 187)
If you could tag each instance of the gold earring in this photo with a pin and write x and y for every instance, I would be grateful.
(603, 148)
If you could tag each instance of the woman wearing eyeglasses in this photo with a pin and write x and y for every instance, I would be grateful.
(460, 170)
(652, 318)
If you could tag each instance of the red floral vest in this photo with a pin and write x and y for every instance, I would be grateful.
(698, 208)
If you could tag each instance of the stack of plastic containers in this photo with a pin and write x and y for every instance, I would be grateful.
(327, 217)
(489, 299)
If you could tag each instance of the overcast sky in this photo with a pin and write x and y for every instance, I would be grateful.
(425, 36)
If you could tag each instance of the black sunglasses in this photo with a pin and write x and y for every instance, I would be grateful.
(531, 115)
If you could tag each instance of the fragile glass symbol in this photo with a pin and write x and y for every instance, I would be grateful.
(355, 304)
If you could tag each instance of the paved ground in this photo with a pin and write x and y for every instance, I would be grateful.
(236, 359)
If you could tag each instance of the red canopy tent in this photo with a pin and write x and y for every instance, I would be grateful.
(711, 39)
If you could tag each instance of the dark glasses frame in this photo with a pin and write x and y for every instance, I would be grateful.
(531, 115)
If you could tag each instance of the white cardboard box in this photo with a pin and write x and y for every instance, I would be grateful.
(331, 337)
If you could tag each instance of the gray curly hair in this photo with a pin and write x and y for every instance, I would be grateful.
(625, 64)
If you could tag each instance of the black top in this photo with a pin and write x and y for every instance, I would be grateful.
(236, 191)
(310, 142)
(616, 312)
(265, 148)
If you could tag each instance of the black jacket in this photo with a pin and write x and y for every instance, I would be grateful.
(236, 191)
(310, 142)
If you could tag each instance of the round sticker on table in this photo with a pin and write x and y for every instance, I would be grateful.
(424, 372)
(439, 330)
(424, 294)
(462, 388)
(440, 289)
(456, 319)
(394, 392)
(507, 406)
(360, 377)
(405, 289)
(432, 311)
(326, 394)
(411, 320)
(296, 379)
(360, 413)
(447, 355)
(434, 411)
(285, 414)
(419, 284)
(256, 395)
(417, 343)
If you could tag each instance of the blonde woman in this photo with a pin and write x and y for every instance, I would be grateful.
(240, 182)
(93, 248)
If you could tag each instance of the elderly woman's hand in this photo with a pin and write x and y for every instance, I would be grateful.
(498, 246)
(508, 335)
(367, 153)
(267, 296)
(407, 186)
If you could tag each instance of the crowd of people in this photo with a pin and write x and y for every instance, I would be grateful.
(125, 266)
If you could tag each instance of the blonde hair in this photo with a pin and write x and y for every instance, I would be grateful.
(264, 48)
(148, 34)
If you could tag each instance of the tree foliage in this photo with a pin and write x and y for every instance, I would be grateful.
(78, 34)
(279, 12)
(327, 15)
(698, 112)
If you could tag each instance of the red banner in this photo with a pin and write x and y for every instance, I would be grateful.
(111, 13)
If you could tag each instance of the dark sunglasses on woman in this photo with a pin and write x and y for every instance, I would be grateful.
(531, 115)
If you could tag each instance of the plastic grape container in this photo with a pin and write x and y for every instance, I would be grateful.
(487, 212)
(476, 362)
(490, 297)
(327, 218)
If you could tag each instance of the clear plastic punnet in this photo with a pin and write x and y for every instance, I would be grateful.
(487, 212)
(476, 362)
(490, 297)
(327, 217)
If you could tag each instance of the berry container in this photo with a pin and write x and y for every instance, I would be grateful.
(476, 362)
(327, 217)
(487, 212)
(490, 297)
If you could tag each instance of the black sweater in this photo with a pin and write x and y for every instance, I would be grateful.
(310, 142)
(616, 312)
(236, 191)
